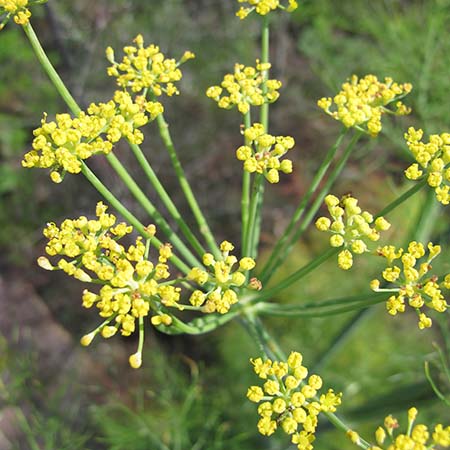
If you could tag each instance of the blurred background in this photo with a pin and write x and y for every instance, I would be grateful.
(190, 393)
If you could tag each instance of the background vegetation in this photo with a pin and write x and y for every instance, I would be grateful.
(191, 392)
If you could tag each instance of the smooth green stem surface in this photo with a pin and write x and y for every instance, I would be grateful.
(315, 309)
(297, 275)
(314, 207)
(51, 72)
(321, 171)
(127, 215)
(255, 210)
(200, 325)
(186, 188)
(168, 203)
(405, 196)
(151, 209)
(258, 195)
(245, 199)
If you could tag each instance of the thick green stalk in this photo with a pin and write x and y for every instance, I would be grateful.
(397, 202)
(318, 308)
(254, 213)
(314, 208)
(203, 225)
(245, 199)
(258, 195)
(151, 210)
(200, 325)
(50, 70)
(127, 215)
(297, 275)
(159, 188)
(303, 203)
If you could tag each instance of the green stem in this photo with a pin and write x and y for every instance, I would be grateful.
(51, 72)
(322, 309)
(300, 273)
(409, 193)
(151, 210)
(302, 206)
(245, 199)
(264, 112)
(203, 225)
(127, 215)
(200, 325)
(159, 188)
(258, 196)
(438, 393)
(255, 210)
(314, 207)
(340, 425)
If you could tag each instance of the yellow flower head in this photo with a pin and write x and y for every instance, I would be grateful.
(433, 161)
(62, 145)
(146, 68)
(132, 287)
(289, 398)
(262, 153)
(263, 7)
(362, 102)
(350, 228)
(220, 279)
(415, 437)
(18, 9)
(244, 88)
(409, 273)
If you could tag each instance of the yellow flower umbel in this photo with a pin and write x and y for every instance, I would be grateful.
(289, 399)
(132, 286)
(263, 7)
(362, 102)
(62, 144)
(433, 161)
(263, 153)
(417, 437)
(350, 228)
(146, 68)
(244, 88)
(416, 286)
(220, 279)
(16, 8)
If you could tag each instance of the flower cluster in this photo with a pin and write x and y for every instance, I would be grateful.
(219, 279)
(350, 228)
(132, 286)
(415, 285)
(362, 102)
(62, 144)
(433, 158)
(16, 8)
(416, 436)
(264, 7)
(146, 68)
(244, 88)
(289, 398)
(263, 152)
